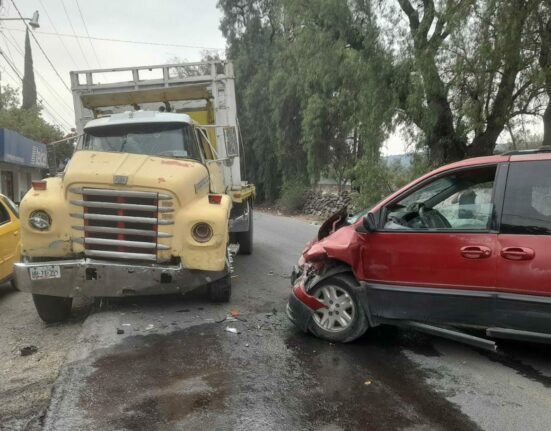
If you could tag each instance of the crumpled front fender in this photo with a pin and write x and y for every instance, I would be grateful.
(344, 246)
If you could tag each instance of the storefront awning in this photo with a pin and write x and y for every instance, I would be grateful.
(18, 150)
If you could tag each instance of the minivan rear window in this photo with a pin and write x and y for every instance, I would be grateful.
(527, 206)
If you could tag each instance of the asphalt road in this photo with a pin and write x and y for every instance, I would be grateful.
(176, 367)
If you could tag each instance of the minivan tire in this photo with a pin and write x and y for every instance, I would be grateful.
(52, 309)
(346, 285)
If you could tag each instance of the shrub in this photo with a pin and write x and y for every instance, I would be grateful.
(293, 196)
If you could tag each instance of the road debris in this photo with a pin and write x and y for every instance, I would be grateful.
(28, 350)
(232, 330)
(120, 331)
(149, 327)
(235, 313)
(367, 382)
(184, 310)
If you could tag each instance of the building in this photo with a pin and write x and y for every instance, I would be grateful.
(22, 160)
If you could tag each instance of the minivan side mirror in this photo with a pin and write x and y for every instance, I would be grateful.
(369, 223)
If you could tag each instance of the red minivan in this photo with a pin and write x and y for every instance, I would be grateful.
(467, 245)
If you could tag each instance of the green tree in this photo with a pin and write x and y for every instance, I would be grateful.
(29, 85)
(322, 83)
(544, 58)
(27, 122)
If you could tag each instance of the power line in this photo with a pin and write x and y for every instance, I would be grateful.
(136, 42)
(44, 80)
(87, 33)
(3, 54)
(74, 34)
(40, 46)
(60, 38)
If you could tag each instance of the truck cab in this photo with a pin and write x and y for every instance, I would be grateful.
(143, 207)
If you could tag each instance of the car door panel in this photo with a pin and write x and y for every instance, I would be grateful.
(9, 241)
(524, 263)
(424, 276)
(435, 274)
(432, 260)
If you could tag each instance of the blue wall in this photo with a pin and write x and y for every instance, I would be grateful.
(18, 150)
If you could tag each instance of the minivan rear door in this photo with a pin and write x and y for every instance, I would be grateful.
(524, 264)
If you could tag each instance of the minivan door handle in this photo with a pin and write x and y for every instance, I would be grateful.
(517, 253)
(476, 252)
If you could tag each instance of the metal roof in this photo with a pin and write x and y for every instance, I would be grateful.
(139, 117)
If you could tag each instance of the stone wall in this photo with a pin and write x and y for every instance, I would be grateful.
(325, 204)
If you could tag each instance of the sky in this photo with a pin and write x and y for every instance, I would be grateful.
(193, 25)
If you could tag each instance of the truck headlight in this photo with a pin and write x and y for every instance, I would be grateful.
(40, 220)
(201, 232)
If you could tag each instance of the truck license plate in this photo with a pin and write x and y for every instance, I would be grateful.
(45, 272)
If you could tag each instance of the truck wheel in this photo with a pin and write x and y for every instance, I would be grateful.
(245, 239)
(343, 320)
(14, 284)
(52, 309)
(220, 290)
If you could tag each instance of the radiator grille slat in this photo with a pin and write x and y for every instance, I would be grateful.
(121, 224)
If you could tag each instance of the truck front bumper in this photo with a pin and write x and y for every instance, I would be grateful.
(94, 278)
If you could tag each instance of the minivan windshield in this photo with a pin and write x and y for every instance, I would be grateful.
(175, 140)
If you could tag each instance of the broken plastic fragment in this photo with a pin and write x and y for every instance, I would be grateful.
(28, 350)
(232, 330)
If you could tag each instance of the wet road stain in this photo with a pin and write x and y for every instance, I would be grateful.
(268, 377)
(514, 354)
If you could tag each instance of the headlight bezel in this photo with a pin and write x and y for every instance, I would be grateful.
(204, 236)
(40, 220)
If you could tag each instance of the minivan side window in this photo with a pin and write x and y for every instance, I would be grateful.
(460, 201)
(527, 206)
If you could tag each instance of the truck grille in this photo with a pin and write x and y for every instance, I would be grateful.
(121, 224)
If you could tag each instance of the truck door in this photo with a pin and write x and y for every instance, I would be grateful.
(524, 263)
(214, 167)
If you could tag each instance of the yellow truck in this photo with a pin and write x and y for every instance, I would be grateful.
(152, 200)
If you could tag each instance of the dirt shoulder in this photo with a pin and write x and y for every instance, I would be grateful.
(315, 220)
(26, 381)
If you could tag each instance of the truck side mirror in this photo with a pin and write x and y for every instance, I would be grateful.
(369, 223)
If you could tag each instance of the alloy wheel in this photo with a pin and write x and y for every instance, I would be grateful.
(339, 311)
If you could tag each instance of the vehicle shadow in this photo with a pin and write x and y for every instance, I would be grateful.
(531, 360)
(6, 289)
(197, 297)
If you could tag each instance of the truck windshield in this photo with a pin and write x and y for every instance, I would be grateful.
(160, 139)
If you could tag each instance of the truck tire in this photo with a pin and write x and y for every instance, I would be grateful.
(52, 309)
(220, 290)
(245, 239)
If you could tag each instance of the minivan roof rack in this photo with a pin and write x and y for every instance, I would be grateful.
(545, 149)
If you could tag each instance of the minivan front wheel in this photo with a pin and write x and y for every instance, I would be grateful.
(342, 319)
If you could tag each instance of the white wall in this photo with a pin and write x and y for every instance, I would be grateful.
(22, 177)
